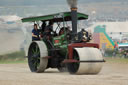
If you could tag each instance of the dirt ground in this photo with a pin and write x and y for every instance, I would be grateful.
(19, 74)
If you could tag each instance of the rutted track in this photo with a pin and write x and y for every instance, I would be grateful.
(19, 74)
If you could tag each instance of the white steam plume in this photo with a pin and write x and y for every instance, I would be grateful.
(72, 3)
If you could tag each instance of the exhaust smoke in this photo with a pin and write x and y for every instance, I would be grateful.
(72, 3)
(73, 7)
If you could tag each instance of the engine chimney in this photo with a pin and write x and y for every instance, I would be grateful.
(74, 22)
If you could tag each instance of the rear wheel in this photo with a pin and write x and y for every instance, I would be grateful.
(36, 61)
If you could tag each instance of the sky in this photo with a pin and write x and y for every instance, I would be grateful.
(46, 2)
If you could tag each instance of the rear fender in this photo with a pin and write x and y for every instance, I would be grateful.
(42, 47)
(79, 45)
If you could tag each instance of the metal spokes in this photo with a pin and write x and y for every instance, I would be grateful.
(35, 56)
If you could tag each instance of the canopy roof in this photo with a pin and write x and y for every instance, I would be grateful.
(58, 17)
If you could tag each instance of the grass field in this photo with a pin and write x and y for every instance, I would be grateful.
(116, 60)
(11, 58)
(13, 62)
(18, 57)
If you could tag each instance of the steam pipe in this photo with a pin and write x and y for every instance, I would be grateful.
(74, 22)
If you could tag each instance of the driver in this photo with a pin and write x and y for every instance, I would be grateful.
(35, 33)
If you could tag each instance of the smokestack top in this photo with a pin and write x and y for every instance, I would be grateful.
(74, 9)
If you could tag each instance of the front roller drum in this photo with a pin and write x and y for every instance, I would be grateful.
(36, 53)
(91, 61)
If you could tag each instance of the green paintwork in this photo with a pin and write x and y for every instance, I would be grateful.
(61, 39)
(58, 17)
(57, 38)
(62, 44)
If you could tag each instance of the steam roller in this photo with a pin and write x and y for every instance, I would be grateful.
(64, 47)
(80, 60)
